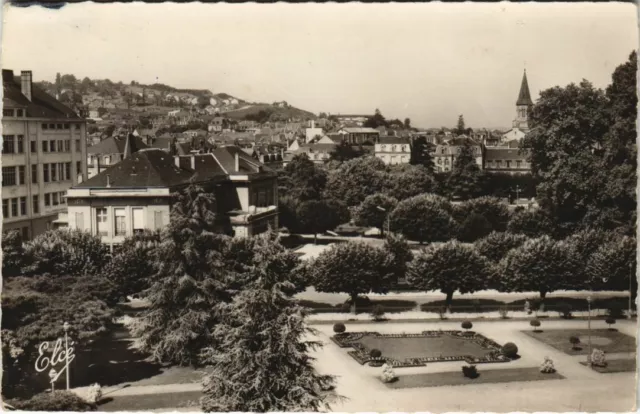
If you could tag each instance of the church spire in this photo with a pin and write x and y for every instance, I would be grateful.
(524, 97)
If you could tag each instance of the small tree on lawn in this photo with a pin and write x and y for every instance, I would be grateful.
(449, 267)
(575, 341)
(374, 210)
(354, 268)
(541, 265)
(535, 323)
(424, 218)
(466, 325)
(261, 359)
(317, 216)
(400, 253)
(613, 267)
(534, 223)
(610, 321)
(494, 210)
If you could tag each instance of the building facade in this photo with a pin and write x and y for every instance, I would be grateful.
(44, 153)
(506, 160)
(359, 135)
(393, 150)
(445, 156)
(136, 194)
(110, 151)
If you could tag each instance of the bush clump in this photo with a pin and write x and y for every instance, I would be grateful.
(339, 328)
(575, 341)
(547, 366)
(53, 401)
(535, 323)
(375, 353)
(610, 321)
(598, 358)
(466, 325)
(377, 313)
(510, 350)
(470, 371)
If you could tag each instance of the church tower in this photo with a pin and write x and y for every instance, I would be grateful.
(523, 104)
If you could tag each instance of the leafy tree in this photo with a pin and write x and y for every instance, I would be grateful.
(613, 266)
(63, 251)
(400, 253)
(304, 180)
(354, 180)
(449, 267)
(318, 216)
(464, 180)
(374, 211)
(492, 209)
(421, 154)
(407, 181)
(533, 223)
(261, 360)
(473, 227)
(132, 268)
(345, 152)
(377, 120)
(407, 123)
(540, 265)
(497, 244)
(12, 253)
(355, 268)
(460, 128)
(425, 218)
(585, 243)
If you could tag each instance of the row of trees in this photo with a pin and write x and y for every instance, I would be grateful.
(202, 288)
(588, 260)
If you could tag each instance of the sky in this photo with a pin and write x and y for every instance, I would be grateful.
(428, 62)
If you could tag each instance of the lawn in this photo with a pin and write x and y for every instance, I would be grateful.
(407, 350)
(609, 341)
(439, 379)
(151, 401)
(616, 365)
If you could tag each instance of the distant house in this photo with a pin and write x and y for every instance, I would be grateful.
(506, 160)
(317, 153)
(111, 151)
(445, 155)
(358, 120)
(393, 150)
(195, 133)
(312, 132)
(359, 135)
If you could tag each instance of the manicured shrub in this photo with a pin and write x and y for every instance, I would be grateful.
(598, 358)
(56, 401)
(339, 328)
(547, 366)
(466, 325)
(93, 394)
(378, 313)
(610, 321)
(535, 323)
(387, 373)
(510, 350)
(375, 353)
(575, 341)
(470, 371)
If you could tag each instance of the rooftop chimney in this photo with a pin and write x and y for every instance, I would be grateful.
(25, 83)
(7, 75)
(237, 162)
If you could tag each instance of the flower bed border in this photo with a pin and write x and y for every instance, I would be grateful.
(361, 353)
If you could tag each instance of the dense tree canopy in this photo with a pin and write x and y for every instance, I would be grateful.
(421, 153)
(613, 266)
(12, 253)
(374, 211)
(424, 218)
(345, 152)
(464, 180)
(450, 267)
(533, 223)
(302, 180)
(497, 244)
(406, 181)
(318, 216)
(356, 179)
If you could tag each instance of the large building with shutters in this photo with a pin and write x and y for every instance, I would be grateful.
(43, 154)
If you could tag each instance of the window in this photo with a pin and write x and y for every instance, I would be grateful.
(66, 126)
(52, 145)
(101, 221)
(23, 206)
(158, 220)
(60, 146)
(35, 206)
(498, 163)
(14, 207)
(45, 146)
(53, 172)
(45, 126)
(121, 227)
(19, 112)
(67, 145)
(79, 167)
(52, 126)
(34, 174)
(77, 126)
(21, 175)
(58, 126)
(78, 149)
(8, 144)
(508, 164)
(138, 220)
(80, 221)
(63, 197)
(7, 112)
(33, 147)
(54, 199)
(5, 208)
(67, 169)
(8, 176)
(45, 172)
(47, 200)
(519, 164)
(20, 144)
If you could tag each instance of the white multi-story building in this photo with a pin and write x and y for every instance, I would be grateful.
(393, 150)
(44, 153)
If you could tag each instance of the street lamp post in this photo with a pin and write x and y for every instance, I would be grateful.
(589, 328)
(65, 326)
